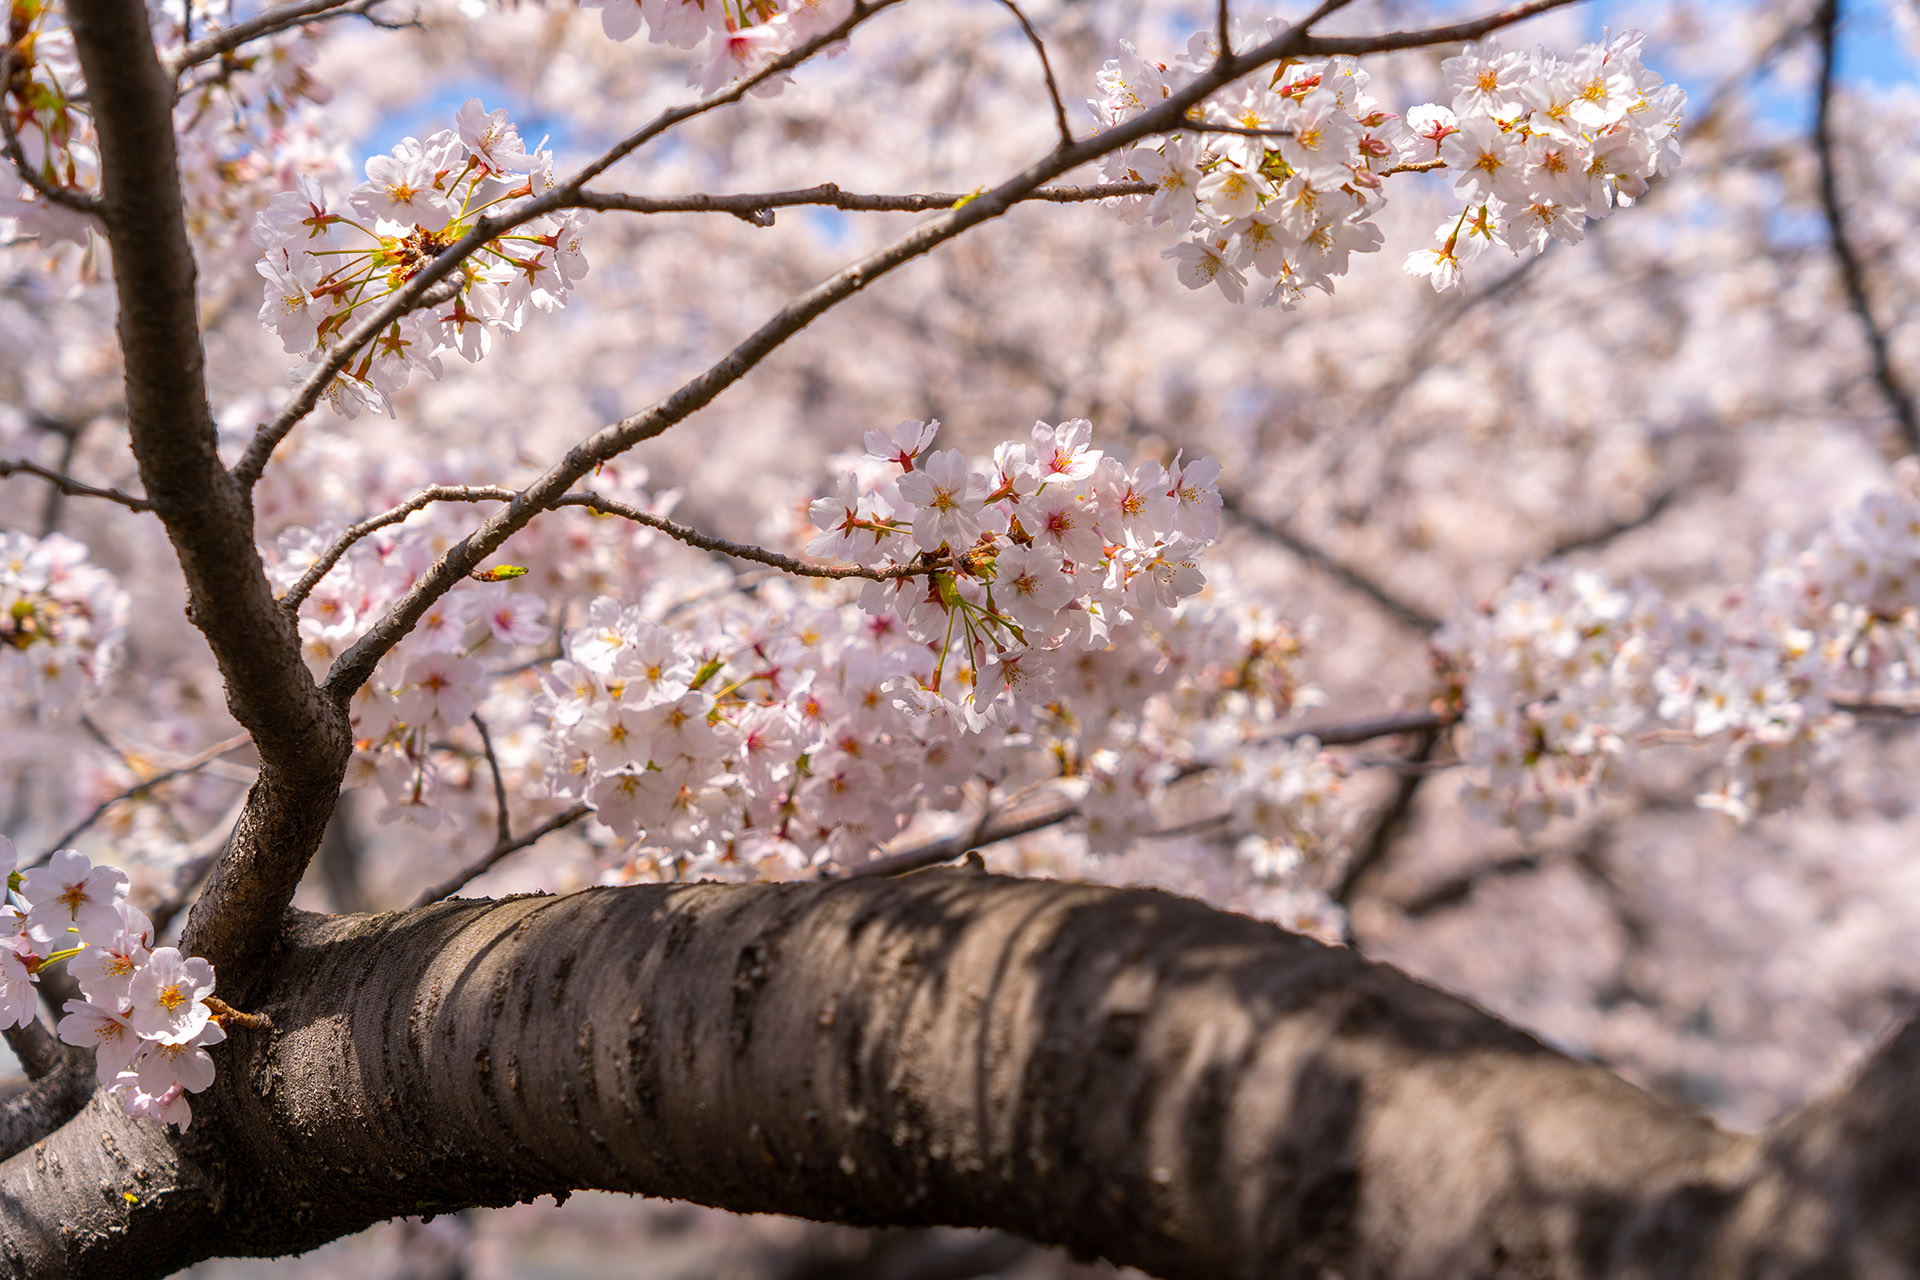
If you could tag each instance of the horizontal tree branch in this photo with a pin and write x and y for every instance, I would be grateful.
(1018, 818)
(226, 40)
(1130, 1074)
(37, 1108)
(68, 485)
(750, 205)
(599, 504)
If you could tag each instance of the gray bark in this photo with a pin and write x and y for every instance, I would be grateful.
(1129, 1074)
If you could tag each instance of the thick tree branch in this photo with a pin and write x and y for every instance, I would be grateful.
(302, 737)
(37, 1108)
(1852, 277)
(1127, 1073)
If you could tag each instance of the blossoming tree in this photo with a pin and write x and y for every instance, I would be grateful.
(397, 449)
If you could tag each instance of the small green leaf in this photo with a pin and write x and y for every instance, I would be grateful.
(499, 573)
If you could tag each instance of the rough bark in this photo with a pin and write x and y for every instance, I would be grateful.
(302, 736)
(1126, 1073)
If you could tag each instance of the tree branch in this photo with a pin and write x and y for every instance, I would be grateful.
(1852, 277)
(353, 667)
(268, 437)
(138, 789)
(1597, 538)
(65, 197)
(1370, 855)
(1402, 611)
(36, 1109)
(1130, 1074)
(506, 845)
(502, 820)
(68, 485)
(302, 737)
(596, 503)
(752, 205)
(1019, 818)
(272, 22)
(1046, 70)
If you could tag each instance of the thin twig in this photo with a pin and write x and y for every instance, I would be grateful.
(751, 205)
(747, 551)
(1607, 533)
(1403, 611)
(1348, 733)
(253, 462)
(1244, 131)
(68, 485)
(1423, 37)
(1046, 69)
(193, 765)
(486, 860)
(1852, 277)
(353, 533)
(1021, 817)
(992, 828)
(65, 197)
(1366, 860)
(502, 824)
(600, 504)
(271, 22)
(356, 665)
(56, 496)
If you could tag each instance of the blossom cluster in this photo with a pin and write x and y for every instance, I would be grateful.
(144, 1013)
(62, 622)
(738, 37)
(1010, 591)
(327, 263)
(45, 98)
(1282, 175)
(1565, 674)
(1538, 145)
(242, 134)
(434, 681)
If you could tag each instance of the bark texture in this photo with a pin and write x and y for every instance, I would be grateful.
(1130, 1074)
(302, 736)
